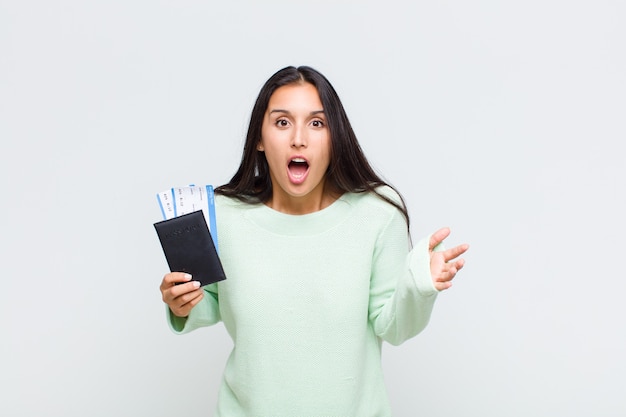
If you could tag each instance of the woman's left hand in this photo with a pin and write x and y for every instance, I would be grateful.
(444, 264)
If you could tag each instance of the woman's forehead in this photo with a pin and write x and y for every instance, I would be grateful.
(295, 97)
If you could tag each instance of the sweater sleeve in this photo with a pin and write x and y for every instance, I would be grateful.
(402, 294)
(205, 313)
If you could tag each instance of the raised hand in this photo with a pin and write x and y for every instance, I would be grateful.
(183, 297)
(444, 264)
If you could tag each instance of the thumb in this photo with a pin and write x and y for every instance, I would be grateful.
(438, 237)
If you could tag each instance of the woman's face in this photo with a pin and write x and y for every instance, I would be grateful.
(296, 142)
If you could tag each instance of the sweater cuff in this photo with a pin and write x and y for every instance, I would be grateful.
(205, 313)
(419, 265)
(177, 324)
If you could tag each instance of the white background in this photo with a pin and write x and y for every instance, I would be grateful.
(502, 120)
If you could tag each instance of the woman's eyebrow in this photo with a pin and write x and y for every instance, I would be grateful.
(314, 112)
(279, 111)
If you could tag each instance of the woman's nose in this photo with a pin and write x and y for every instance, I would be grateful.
(298, 139)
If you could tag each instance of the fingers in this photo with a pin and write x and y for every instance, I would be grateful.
(441, 286)
(182, 305)
(449, 271)
(174, 278)
(446, 264)
(455, 252)
(443, 280)
(180, 293)
(438, 237)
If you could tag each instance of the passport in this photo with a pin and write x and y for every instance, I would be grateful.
(188, 247)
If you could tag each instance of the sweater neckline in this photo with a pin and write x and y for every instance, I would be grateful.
(301, 224)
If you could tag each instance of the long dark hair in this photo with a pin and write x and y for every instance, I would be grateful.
(348, 171)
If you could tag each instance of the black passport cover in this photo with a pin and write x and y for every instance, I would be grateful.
(188, 247)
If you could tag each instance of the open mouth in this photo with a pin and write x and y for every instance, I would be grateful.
(298, 167)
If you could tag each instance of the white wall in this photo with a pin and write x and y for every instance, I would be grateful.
(503, 120)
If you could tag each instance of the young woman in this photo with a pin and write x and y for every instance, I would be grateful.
(319, 268)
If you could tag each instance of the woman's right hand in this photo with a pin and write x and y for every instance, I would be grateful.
(183, 297)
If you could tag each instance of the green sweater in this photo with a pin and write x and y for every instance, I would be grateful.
(308, 300)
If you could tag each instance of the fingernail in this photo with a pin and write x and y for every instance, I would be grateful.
(196, 284)
(187, 277)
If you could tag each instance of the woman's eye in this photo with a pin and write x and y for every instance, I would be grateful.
(317, 123)
(282, 123)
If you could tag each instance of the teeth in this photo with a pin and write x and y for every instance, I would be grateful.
(298, 160)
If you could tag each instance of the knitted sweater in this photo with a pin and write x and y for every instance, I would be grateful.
(308, 300)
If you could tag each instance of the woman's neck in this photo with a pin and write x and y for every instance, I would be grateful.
(315, 201)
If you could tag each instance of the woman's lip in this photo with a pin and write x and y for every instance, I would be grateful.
(298, 158)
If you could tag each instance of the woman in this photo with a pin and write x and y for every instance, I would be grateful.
(317, 254)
